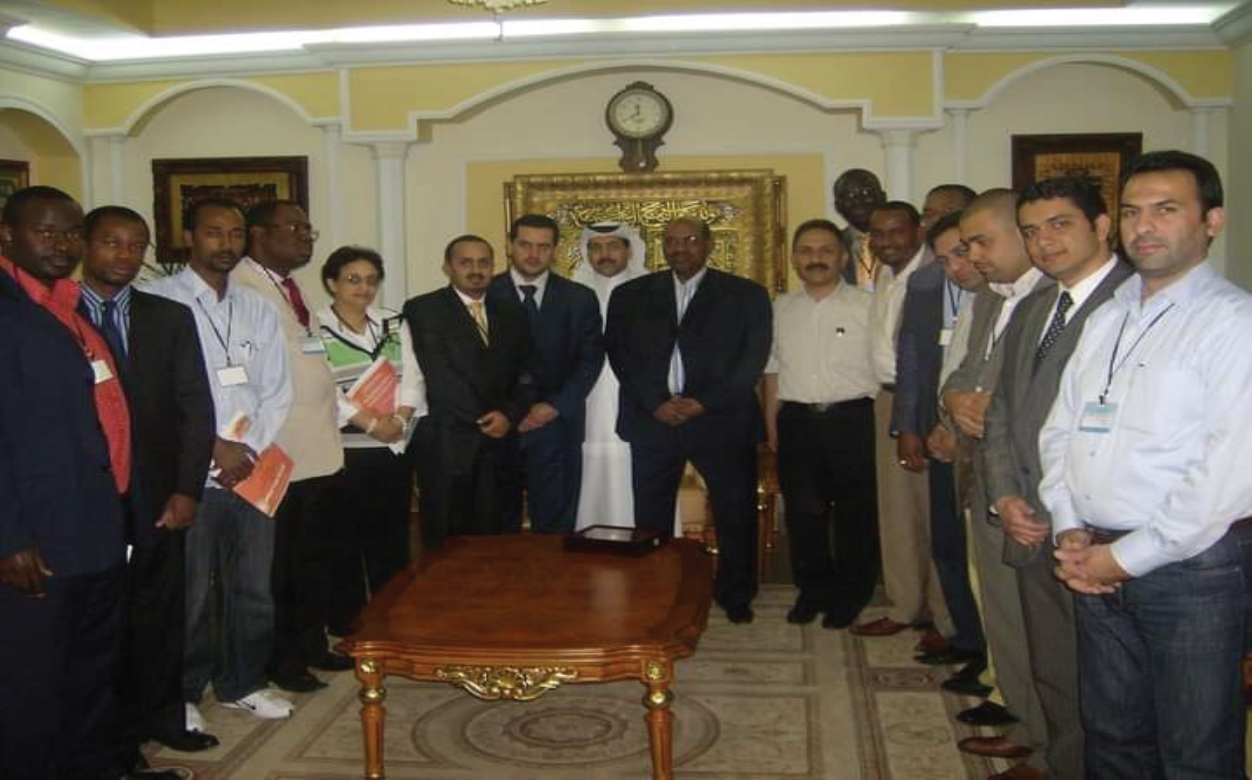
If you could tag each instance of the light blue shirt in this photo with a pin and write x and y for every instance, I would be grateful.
(683, 293)
(121, 311)
(1175, 465)
(239, 330)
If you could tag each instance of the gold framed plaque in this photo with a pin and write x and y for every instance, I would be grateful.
(1100, 157)
(746, 211)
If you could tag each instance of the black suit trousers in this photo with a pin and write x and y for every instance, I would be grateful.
(58, 661)
(826, 472)
(151, 673)
(729, 472)
(473, 501)
(307, 548)
(551, 461)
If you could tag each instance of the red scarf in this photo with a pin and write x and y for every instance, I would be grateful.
(62, 301)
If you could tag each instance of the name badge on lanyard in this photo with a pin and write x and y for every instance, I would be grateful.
(312, 345)
(1097, 417)
(945, 337)
(232, 376)
(100, 368)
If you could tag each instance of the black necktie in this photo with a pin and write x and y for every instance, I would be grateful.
(528, 301)
(1054, 328)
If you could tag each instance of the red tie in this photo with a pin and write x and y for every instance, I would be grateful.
(297, 301)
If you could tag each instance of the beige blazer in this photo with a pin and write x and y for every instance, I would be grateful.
(310, 435)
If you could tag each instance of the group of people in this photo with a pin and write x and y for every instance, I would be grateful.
(1033, 440)
(1069, 413)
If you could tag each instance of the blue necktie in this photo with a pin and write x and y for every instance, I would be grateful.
(531, 306)
(111, 333)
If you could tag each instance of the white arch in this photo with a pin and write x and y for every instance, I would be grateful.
(47, 115)
(1159, 76)
(864, 105)
(162, 97)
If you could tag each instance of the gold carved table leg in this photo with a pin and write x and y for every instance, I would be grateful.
(656, 676)
(373, 715)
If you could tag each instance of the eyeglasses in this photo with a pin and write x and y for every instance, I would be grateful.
(369, 281)
(688, 240)
(297, 229)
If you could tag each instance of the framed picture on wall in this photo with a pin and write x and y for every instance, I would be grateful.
(14, 175)
(1101, 157)
(745, 210)
(176, 184)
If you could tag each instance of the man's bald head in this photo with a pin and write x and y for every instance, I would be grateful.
(989, 229)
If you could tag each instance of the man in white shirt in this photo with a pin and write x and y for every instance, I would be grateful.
(909, 575)
(1066, 227)
(1145, 471)
(612, 253)
(818, 392)
(231, 541)
(989, 229)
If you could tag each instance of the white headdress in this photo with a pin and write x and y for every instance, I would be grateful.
(586, 273)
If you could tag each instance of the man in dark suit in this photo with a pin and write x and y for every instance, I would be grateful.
(64, 463)
(565, 323)
(688, 345)
(926, 325)
(476, 354)
(1066, 226)
(857, 193)
(156, 347)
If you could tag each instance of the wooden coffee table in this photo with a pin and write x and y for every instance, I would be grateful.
(512, 617)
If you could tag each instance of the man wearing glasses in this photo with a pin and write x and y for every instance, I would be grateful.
(280, 240)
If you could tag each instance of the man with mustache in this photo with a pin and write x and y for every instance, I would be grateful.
(477, 356)
(1145, 473)
(231, 542)
(819, 417)
(307, 549)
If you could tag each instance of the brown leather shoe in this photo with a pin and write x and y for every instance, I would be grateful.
(932, 643)
(1019, 772)
(993, 747)
(880, 627)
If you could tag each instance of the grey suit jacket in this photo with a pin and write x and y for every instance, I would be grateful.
(1023, 398)
(980, 371)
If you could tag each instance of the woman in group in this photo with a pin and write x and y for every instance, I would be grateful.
(377, 480)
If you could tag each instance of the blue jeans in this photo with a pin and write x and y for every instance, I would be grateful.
(1159, 670)
(232, 543)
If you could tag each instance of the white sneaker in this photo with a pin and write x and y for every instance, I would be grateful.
(195, 720)
(264, 704)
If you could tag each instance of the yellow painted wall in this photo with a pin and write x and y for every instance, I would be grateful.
(1239, 177)
(52, 159)
(1203, 73)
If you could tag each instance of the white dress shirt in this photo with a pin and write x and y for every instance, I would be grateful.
(821, 347)
(1173, 466)
(889, 291)
(683, 293)
(1013, 293)
(956, 350)
(540, 284)
(240, 330)
(1079, 293)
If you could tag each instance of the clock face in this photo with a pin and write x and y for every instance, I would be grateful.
(638, 113)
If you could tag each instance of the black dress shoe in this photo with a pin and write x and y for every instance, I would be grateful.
(332, 662)
(833, 620)
(297, 681)
(186, 741)
(966, 686)
(986, 714)
(739, 613)
(949, 657)
(152, 774)
(801, 614)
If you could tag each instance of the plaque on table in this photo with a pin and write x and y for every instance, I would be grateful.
(615, 539)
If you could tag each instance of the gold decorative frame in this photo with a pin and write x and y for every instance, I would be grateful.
(177, 184)
(14, 175)
(746, 211)
(1100, 157)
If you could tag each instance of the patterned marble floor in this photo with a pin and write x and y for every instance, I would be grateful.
(766, 701)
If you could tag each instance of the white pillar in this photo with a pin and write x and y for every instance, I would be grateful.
(390, 156)
(1200, 130)
(332, 225)
(901, 148)
(960, 129)
(117, 178)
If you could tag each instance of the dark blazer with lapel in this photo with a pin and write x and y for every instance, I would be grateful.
(57, 492)
(1024, 395)
(465, 378)
(725, 338)
(171, 407)
(919, 356)
(568, 341)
